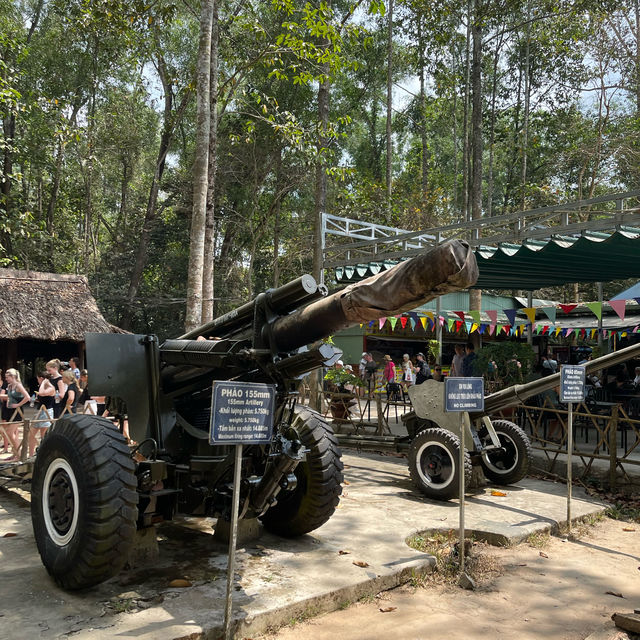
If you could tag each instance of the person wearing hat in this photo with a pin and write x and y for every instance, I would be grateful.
(362, 364)
(423, 372)
(339, 364)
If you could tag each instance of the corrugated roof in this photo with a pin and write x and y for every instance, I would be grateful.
(590, 257)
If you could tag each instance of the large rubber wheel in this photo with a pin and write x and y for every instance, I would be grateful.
(512, 463)
(83, 501)
(320, 478)
(434, 464)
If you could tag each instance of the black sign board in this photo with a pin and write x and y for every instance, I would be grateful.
(241, 413)
(572, 379)
(464, 394)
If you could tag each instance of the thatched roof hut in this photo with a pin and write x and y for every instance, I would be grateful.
(45, 315)
(47, 306)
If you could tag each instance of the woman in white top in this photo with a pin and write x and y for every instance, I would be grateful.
(408, 375)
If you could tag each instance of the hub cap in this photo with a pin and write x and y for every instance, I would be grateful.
(60, 502)
(436, 465)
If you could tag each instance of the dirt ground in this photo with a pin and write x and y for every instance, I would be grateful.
(547, 588)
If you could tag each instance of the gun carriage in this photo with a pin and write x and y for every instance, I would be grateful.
(90, 492)
(499, 447)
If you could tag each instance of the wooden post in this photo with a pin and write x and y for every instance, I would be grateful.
(613, 446)
(25, 440)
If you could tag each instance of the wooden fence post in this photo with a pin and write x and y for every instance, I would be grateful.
(613, 446)
(24, 450)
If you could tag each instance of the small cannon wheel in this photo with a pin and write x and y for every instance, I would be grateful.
(512, 463)
(434, 464)
(83, 501)
(320, 478)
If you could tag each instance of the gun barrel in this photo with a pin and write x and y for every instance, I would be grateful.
(283, 300)
(447, 267)
(520, 392)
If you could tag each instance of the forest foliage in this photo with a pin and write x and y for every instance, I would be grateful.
(497, 106)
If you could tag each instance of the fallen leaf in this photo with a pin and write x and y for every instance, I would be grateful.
(387, 609)
(345, 482)
(627, 529)
(360, 563)
(495, 492)
(342, 552)
(615, 593)
(543, 554)
(180, 583)
(9, 535)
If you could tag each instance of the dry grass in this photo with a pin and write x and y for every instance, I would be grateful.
(480, 563)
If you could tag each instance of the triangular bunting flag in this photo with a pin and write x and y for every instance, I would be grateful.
(371, 323)
(450, 322)
(511, 315)
(429, 314)
(458, 325)
(412, 322)
(460, 315)
(545, 329)
(619, 306)
(568, 308)
(381, 322)
(637, 300)
(493, 314)
(596, 307)
(403, 321)
(441, 320)
(423, 322)
(550, 312)
(592, 334)
(569, 332)
(558, 330)
(468, 326)
(492, 328)
(474, 327)
(393, 321)
(531, 314)
(475, 314)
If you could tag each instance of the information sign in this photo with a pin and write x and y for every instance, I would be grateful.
(572, 380)
(464, 394)
(241, 413)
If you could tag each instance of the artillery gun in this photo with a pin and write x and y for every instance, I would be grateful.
(499, 447)
(90, 492)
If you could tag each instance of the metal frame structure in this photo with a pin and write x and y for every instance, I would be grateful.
(360, 242)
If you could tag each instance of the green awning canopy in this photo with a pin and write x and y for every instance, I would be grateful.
(590, 257)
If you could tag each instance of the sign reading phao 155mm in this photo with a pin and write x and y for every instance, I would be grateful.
(241, 413)
(572, 383)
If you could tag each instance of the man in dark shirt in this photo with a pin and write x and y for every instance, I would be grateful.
(467, 363)
(423, 371)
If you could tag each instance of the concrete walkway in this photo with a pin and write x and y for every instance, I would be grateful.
(277, 580)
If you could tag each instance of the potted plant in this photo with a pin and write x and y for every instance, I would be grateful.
(342, 382)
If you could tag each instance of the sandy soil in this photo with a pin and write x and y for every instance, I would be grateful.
(555, 591)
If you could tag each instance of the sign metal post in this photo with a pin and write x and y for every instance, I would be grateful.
(241, 413)
(572, 389)
(463, 395)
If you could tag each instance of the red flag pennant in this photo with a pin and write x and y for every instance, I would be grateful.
(403, 321)
(568, 308)
(460, 315)
(458, 325)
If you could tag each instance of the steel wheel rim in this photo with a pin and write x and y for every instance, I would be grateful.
(434, 461)
(60, 502)
(511, 453)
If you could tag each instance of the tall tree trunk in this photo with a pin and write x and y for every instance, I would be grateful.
(424, 161)
(209, 233)
(525, 120)
(465, 120)
(170, 122)
(276, 220)
(389, 105)
(9, 131)
(475, 295)
(492, 132)
(200, 170)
